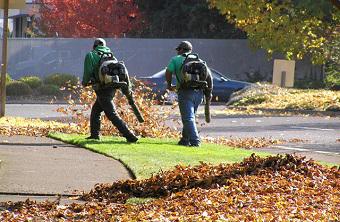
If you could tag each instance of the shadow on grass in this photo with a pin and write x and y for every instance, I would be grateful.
(108, 142)
(102, 142)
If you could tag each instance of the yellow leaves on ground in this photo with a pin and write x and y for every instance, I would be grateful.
(33, 127)
(273, 97)
(246, 143)
(277, 188)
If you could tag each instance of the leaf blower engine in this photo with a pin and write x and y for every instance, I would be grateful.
(114, 73)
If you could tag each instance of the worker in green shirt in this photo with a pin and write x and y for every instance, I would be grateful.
(104, 95)
(189, 98)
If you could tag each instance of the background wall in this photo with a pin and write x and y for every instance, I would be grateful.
(143, 57)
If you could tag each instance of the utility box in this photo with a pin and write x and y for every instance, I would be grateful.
(283, 72)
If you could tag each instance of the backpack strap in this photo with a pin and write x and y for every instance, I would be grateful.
(102, 54)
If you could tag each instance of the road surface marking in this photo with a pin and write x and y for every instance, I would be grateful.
(325, 152)
(292, 148)
(311, 128)
(305, 150)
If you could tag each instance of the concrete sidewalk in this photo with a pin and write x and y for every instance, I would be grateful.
(41, 167)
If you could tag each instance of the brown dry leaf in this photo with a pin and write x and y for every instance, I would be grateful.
(297, 140)
(277, 188)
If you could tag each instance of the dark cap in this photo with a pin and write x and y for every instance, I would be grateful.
(99, 41)
(185, 45)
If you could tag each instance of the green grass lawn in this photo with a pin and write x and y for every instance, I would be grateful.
(149, 156)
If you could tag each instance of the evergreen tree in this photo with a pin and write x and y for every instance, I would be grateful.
(184, 19)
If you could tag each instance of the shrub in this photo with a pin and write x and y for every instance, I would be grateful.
(308, 84)
(17, 88)
(33, 81)
(61, 79)
(49, 89)
(332, 80)
(8, 78)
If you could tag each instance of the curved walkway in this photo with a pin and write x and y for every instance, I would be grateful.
(36, 166)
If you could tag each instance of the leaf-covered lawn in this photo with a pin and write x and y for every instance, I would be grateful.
(151, 155)
(279, 188)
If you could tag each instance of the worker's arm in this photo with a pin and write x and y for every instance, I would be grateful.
(170, 70)
(88, 70)
(168, 77)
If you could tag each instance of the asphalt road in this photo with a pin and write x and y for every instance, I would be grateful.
(320, 133)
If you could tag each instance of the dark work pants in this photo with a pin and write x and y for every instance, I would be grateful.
(104, 103)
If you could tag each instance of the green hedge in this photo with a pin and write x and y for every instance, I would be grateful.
(33, 81)
(49, 90)
(309, 84)
(8, 78)
(61, 79)
(332, 79)
(17, 88)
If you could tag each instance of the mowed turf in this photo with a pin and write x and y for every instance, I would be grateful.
(151, 155)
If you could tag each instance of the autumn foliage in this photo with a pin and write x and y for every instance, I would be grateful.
(81, 100)
(277, 188)
(88, 18)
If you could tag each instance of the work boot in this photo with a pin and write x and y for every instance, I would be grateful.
(132, 139)
(92, 137)
(183, 142)
(195, 144)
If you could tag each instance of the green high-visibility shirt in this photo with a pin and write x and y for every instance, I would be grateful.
(91, 64)
(175, 66)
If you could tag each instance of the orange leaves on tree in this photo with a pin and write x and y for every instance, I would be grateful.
(89, 18)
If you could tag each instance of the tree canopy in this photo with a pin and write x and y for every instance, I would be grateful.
(88, 18)
(296, 28)
(184, 19)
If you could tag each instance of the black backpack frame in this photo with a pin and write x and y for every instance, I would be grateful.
(194, 72)
(111, 71)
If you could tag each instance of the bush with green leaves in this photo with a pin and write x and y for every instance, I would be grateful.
(17, 88)
(33, 81)
(332, 80)
(308, 84)
(61, 79)
(8, 78)
(49, 90)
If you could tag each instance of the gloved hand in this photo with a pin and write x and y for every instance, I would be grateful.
(91, 82)
(171, 87)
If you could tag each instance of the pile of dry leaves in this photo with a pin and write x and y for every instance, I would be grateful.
(274, 97)
(279, 188)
